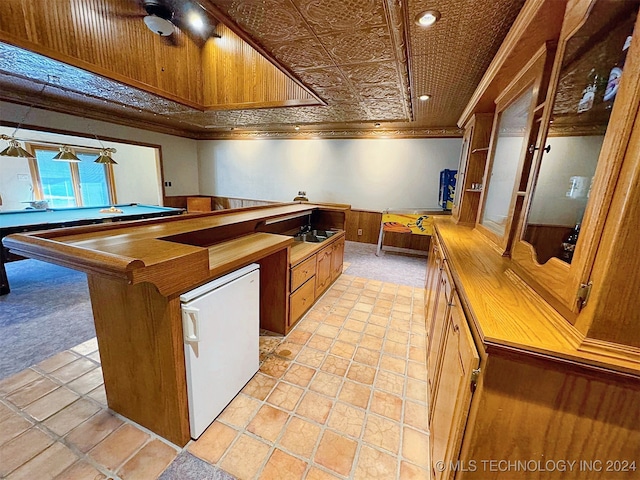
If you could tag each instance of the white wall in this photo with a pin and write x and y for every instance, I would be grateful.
(367, 173)
(179, 155)
(137, 174)
(568, 157)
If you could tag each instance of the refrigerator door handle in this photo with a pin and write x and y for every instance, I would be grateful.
(190, 324)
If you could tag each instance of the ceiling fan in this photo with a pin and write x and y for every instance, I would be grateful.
(159, 16)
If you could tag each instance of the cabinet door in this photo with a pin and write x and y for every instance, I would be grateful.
(323, 269)
(337, 257)
(434, 265)
(301, 300)
(436, 336)
(453, 396)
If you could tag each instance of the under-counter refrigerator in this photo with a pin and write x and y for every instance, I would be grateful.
(220, 322)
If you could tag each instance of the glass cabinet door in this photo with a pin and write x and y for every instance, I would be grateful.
(572, 175)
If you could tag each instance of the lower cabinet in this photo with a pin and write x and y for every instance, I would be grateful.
(311, 277)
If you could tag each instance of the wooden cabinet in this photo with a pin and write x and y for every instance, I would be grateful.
(432, 281)
(337, 259)
(302, 272)
(473, 159)
(437, 330)
(301, 300)
(199, 204)
(323, 269)
(459, 363)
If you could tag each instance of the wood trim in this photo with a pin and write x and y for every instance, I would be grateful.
(297, 102)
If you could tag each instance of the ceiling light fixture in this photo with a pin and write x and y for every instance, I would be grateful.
(424, 98)
(66, 155)
(196, 21)
(105, 156)
(159, 18)
(14, 149)
(427, 18)
(377, 125)
(297, 127)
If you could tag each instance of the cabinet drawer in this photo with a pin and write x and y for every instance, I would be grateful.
(303, 272)
(301, 300)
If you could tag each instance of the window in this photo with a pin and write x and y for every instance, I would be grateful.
(71, 184)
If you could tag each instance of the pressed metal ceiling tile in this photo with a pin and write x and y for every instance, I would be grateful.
(303, 54)
(341, 15)
(371, 45)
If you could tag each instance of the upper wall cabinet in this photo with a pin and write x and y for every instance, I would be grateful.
(579, 152)
(516, 125)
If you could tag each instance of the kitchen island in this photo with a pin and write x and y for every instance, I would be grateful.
(137, 270)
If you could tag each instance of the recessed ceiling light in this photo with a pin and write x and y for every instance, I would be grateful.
(377, 125)
(428, 18)
(424, 98)
(297, 127)
(196, 21)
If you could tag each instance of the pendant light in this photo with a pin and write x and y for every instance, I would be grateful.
(66, 155)
(14, 149)
(105, 156)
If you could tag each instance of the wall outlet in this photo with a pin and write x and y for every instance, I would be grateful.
(359, 231)
(167, 184)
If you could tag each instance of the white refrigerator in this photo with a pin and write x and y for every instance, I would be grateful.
(220, 323)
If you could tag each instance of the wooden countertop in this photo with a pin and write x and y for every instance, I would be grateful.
(505, 311)
(174, 253)
(303, 250)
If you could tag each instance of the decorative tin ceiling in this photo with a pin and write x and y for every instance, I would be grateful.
(366, 59)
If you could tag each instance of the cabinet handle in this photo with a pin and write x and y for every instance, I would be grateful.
(456, 328)
(533, 148)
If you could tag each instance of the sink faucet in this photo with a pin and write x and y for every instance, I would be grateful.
(305, 229)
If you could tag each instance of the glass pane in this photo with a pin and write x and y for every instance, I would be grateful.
(57, 185)
(508, 150)
(592, 67)
(93, 181)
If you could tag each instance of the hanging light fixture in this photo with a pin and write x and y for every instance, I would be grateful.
(66, 155)
(14, 149)
(105, 156)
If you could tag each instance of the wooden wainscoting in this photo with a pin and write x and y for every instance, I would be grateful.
(218, 203)
(369, 222)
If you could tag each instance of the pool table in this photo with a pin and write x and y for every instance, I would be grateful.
(17, 221)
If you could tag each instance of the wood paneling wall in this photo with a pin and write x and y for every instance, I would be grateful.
(219, 203)
(235, 75)
(105, 37)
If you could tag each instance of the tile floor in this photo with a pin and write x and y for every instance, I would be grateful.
(342, 397)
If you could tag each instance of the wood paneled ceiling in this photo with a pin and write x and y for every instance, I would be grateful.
(335, 68)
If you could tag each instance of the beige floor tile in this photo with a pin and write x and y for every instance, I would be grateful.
(282, 466)
(288, 350)
(355, 394)
(335, 365)
(81, 471)
(274, 366)
(343, 349)
(396, 349)
(358, 315)
(418, 354)
(417, 370)
(347, 419)
(386, 294)
(73, 370)
(117, 447)
(350, 296)
(213, 442)
(31, 392)
(51, 403)
(390, 382)
(245, 457)
(411, 472)
(70, 417)
(320, 342)
(371, 342)
(285, 396)
(317, 474)
(349, 336)
(311, 357)
(12, 426)
(21, 449)
(361, 373)
(418, 341)
(149, 462)
(47, 464)
(416, 390)
(387, 405)
(300, 437)
(374, 464)
(268, 423)
(315, 407)
(393, 364)
(341, 311)
(382, 433)
(382, 311)
(367, 356)
(416, 415)
(326, 384)
(57, 361)
(87, 347)
(259, 386)
(240, 411)
(354, 325)
(19, 380)
(343, 302)
(88, 434)
(363, 307)
(95, 356)
(398, 337)
(298, 336)
(327, 330)
(87, 382)
(379, 320)
(5, 412)
(415, 447)
(367, 298)
(336, 452)
(99, 395)
(299, 374)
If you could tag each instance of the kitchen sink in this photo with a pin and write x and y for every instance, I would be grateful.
(314, 236)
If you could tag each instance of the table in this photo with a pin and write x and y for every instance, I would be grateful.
(18, 221)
